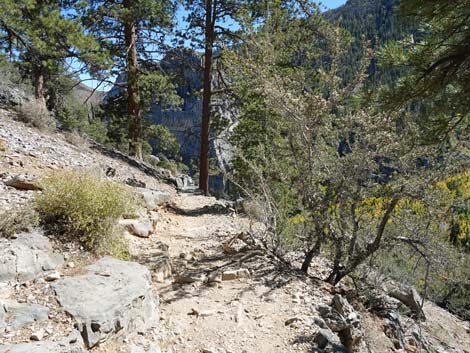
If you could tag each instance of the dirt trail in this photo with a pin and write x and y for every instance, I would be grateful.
(241, 315)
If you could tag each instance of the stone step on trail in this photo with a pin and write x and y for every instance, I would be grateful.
(17, 315)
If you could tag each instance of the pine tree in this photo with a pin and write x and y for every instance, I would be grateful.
(42, 34)
(211, 25)
(133, 32)
(438, 64)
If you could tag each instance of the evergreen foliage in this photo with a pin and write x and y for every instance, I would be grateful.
(312, 152)
(438, 66)
(133, 32)
(376, 22)
(41, 36)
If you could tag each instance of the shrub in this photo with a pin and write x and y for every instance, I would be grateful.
(173, 166)
(72, 114)
(97, 131)
(75, 138)
(19, 219)
(3, 146)
(35, 113)
(85, 208)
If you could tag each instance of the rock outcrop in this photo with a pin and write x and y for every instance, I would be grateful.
(26, 257)
(184, 122)
(24, 182)
(342, 319)
(410, 297)
(10, 96)
(112, 296)
(151, 199)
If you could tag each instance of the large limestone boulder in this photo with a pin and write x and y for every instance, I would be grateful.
(70, 344)
(410, 297)
(184, 182)
(151, 199)
(27, 257)
(141, 228)
(112, 296)
(10, 95)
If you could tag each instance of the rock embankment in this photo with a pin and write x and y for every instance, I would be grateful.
(72, 312)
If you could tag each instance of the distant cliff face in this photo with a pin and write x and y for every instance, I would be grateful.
(185, 123)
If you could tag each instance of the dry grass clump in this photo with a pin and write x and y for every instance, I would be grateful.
(35, 113)
(22, 218)
(76, 139)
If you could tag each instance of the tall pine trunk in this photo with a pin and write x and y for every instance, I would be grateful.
(38, 78)
(206, 102)
(133, 97)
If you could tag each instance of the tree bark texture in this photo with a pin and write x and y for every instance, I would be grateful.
(38, 77)
(133, 96)
(206, 101)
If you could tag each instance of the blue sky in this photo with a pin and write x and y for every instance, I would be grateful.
(331, 4)
(328, 4)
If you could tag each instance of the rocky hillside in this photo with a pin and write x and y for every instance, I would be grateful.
(196, 280)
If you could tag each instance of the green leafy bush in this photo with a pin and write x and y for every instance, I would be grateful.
(84, 208)
(97, 131)
(173, 166)
(73, 115)
(16, 220)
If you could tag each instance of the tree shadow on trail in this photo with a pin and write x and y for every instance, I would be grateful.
(216, 209)
(266, 271)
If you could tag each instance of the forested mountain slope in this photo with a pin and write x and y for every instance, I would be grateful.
(374, 21)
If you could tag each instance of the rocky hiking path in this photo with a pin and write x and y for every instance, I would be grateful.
(226, 295)
(197, 282)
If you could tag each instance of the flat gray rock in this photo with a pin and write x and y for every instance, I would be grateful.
(411, 298)
(21, 314)
(71, 344)
(113, 296)
(27, 257)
